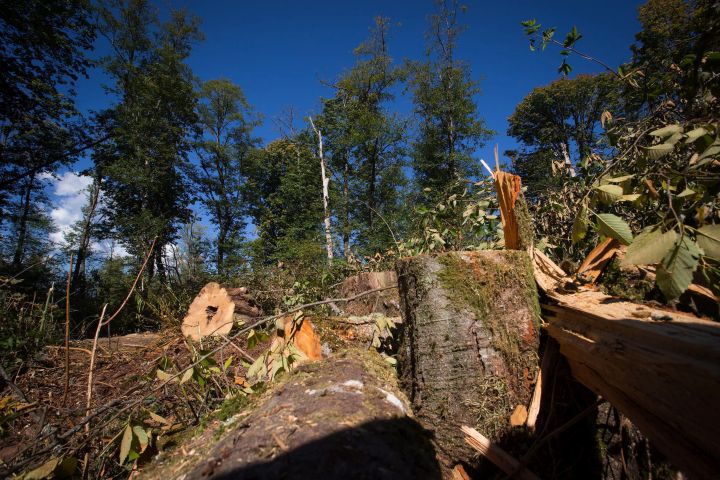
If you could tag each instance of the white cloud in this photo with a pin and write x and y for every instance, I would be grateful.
(70, 196)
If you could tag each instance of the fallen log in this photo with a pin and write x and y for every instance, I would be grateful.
(660, 368)
(215, 309)
(341, 418)
(468, 347)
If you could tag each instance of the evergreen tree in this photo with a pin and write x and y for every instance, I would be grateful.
(444, 97)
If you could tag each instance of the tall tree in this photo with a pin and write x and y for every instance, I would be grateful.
(365, 143)
(149, 129)
(558, 125)
(444, 97)
(282, 181)
(43, 45)
(226, 123)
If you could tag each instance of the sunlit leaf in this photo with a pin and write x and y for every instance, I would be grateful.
(125, 444)
(580, 225)
(187, 375)
(708, 237)
(614, 227)
(656, 152)
(666, 131)
(649, 247)
(675, 273)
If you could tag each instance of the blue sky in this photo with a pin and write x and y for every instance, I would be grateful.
(279, 50)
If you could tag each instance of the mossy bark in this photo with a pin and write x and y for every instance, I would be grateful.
(468, 349)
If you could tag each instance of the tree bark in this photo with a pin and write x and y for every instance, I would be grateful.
(22, 223)
(340, 418)
(468, 349)
(78, 279)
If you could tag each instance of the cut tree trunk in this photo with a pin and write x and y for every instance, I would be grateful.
(215, 309)
(468, 350)
(342, 418)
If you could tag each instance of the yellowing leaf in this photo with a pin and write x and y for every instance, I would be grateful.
(666, 131)
(165, 377)
(125, 444)
(43, 471)
(708, 237)
(580, 225)
(158, 418)
(656, 152)
(187, 375)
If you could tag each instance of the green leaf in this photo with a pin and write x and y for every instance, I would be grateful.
(685, 193)
(708, 237)
(125, 444)
(580, 225)
(614, 227)
(257, 369)
(667, 131)
(676, 271)
(656, 152)
(650, 247)
(227, 363)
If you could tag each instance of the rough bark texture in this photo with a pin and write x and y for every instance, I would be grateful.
(468, 350)
(342, 418)
(385, 302)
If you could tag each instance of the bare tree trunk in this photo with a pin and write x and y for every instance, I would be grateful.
(78, 278)
(325, 193)
(23, 221)
(346, 199)
(566, 156)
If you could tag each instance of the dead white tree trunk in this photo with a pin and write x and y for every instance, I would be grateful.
(325, 193)
(566, 156)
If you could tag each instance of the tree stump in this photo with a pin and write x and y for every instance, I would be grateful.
(215, 309)
(468, 349)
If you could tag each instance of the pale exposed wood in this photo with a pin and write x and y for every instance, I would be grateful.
(215, 309)
(496, 455)
(547, 274)
(325, 193)
(597, 259)
(519, 416)
(507, 187)
(534, 409)
(459, 473)
(660, 368)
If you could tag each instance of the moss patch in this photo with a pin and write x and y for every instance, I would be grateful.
(479, 283)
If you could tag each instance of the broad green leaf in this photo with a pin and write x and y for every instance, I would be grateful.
(693, 135)
(619, 179)
(187, 375)
(125, 444)
(580, 225)
(667, 131)
(43, 471)
(675, 273)
(614, 227)
(649, 247)
(257, 369)
(656, 152)
(227, 363)
(712, 151)
(708, 237)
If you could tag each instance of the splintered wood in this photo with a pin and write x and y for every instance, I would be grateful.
(215, 309)
(660, 368)
(503, 460)
(508, 189)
